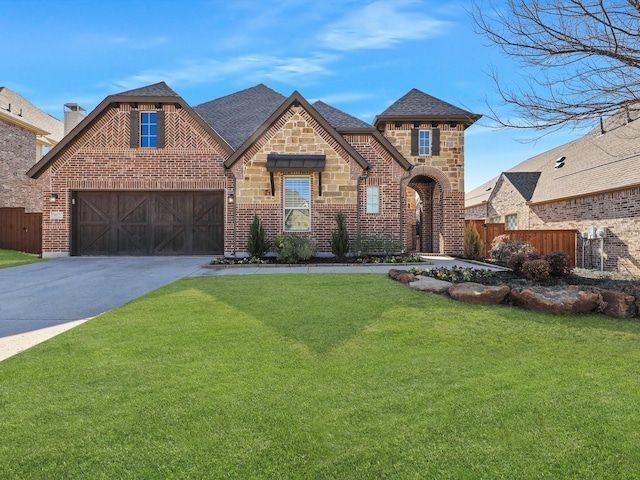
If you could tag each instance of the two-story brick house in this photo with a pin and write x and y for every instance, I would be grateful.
(26, 132)
(147, 174)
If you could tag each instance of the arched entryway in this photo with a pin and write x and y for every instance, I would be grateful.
(438, 212)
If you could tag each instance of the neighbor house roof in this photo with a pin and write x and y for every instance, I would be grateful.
(420, 106)
(19, 111)
(600, 161)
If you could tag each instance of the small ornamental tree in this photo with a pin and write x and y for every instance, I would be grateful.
(340, 238)
(257, 246)
(472, 242)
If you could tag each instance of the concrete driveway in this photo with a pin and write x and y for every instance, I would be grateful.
(62, 290)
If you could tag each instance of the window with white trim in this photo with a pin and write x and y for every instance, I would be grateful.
(373, 199)
(148, 129)
(424, 143)
(297, 204)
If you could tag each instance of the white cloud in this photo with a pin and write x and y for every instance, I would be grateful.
(381, 24)
(257, 68)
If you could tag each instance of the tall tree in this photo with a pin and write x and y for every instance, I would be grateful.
(579, 59)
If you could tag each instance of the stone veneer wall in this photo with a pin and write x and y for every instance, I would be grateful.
(296, 132)
(103, 160)
(17, 155)
(451, 158)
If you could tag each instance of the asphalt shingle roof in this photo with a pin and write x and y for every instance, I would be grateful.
(419, 104)
(524, 182)
(237, 116)
(160, 89)
(596, 162)
(337, 118)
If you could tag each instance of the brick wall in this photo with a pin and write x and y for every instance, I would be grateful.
(618, 212)
(103, 160)
(17, 155)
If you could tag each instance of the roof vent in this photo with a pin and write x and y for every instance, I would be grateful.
(560, 162)
(488, 189)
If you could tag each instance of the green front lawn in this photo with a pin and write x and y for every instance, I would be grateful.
(323, 376)
(12, 258)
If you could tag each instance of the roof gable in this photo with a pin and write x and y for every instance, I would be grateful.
(237, 116)
(295, 99)
(524, 182)
(142, 95)
(417, 105)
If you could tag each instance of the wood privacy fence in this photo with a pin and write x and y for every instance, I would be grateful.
(20, 231)
(544, 241)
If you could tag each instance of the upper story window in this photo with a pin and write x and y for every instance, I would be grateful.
(425, 143)
(148, 129)
(424, 146)
(373, 199)
(297, 204)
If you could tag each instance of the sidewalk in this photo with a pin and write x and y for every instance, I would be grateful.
(430, 262)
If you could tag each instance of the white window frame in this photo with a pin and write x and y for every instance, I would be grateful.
(424, 144)
(373, 199)
(287, 210)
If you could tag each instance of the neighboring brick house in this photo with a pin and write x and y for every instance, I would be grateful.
(147, 174)
(25, 133)
(593, 181)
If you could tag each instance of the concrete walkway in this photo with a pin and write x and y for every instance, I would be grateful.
(41, 300)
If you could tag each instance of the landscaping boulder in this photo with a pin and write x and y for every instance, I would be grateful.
(618, 304)
(429, 284)
(570, 299)
(402, 275)
(471, 292)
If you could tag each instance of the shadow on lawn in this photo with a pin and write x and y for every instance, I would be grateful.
(319, 311)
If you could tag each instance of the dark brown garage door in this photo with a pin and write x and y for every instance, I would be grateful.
(148, 223)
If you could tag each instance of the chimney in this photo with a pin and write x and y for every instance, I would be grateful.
(73, 115)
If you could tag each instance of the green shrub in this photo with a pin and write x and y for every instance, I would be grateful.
(372, 244)
(292, 249)
(472, 242)
(536, 270)
(559, 264)
(340, 238)
(257, 246)
(502, 247)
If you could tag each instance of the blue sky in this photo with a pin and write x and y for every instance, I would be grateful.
(357, 55)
